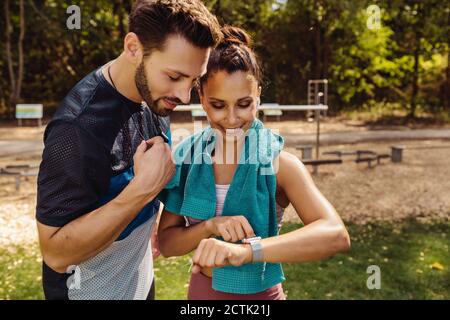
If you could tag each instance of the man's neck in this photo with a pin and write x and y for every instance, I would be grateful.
(122, 74)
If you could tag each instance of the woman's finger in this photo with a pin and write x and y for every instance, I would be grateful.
(239, 230)
(203, 259)
(211, 257)
(221, 258)
(196, 269)
(232, 231)
(198, 252)
(247, 228)
(225, 234)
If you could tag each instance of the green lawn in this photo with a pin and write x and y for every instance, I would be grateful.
(405, 252)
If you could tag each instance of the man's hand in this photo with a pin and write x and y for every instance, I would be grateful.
(230, 228)
(153, 165)
(213, 253)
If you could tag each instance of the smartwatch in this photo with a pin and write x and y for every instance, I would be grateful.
(255, 243)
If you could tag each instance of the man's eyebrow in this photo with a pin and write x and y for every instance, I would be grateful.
(181, 73)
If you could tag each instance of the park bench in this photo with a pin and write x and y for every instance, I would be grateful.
(18, 172)
(340, 154)
(316, 163)
(368, 156)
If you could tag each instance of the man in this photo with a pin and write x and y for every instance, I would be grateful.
(105, 157)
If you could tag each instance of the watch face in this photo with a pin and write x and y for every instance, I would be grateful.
(252, 239)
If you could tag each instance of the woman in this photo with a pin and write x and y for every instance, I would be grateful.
(233, 182)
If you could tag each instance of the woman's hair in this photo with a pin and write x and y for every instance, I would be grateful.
(233, 53)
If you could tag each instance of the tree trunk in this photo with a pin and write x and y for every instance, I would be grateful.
(447, 71)
(12, 76)
(317, 44)
(20, 45)
(415, 84)
(16, 82)
(447, 85)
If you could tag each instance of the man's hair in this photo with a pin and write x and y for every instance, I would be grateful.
(154, 20)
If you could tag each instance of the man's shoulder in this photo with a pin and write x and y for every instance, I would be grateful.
(91, 109)
(79, 96)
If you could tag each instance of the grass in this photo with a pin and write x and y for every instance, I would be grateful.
(405, 253)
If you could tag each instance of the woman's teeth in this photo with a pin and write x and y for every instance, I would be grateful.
(233, 131)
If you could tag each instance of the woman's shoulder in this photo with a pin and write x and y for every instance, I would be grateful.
(286, 164)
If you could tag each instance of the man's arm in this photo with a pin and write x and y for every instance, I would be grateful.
(93, 232)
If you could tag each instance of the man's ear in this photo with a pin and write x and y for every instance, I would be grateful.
(132, 48)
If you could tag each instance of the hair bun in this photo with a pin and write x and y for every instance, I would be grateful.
(234, 35)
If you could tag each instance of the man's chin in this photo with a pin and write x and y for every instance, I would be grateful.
(160, 110)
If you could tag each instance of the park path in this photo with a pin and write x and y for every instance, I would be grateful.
(333, 138)
(20, 147)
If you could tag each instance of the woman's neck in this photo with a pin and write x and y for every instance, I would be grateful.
(228, 150)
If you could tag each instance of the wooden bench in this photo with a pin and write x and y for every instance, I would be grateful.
(340, 154)
(316, 163)
(18, 171)
(370, 159)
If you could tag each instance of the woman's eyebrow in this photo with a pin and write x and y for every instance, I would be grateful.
(238, 100)
(248, 97)
(219, 100)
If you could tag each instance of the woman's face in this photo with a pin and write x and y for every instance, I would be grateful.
(230, 101)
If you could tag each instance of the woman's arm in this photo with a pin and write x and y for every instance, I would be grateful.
(323, 235)
(175, 239)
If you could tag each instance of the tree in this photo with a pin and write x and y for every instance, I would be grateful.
(15, 80)
(419, 28)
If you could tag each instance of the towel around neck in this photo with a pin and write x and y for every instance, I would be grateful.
(191, 192)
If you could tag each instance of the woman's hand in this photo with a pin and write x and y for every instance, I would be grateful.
(213, 253)
(230, 228)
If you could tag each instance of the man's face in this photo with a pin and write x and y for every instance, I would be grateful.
(165, 78)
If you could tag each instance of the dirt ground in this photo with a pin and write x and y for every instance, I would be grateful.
(418, 187)
(291, 125)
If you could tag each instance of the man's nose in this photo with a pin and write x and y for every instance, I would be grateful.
(184, 94)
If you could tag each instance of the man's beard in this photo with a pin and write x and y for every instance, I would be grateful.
(144, 90)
